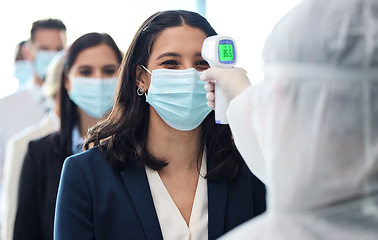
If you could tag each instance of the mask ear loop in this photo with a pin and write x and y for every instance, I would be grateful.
(146, 69)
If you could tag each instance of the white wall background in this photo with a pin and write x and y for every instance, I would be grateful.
(248, 22)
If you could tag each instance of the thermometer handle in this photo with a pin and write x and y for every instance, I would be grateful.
(220, 51)
(221, 105)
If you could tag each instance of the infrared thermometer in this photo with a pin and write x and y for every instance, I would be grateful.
(220, 51)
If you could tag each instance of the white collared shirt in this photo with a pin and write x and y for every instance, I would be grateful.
(172, 224)
(77, 141)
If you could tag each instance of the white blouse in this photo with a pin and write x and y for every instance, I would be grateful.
(172, 224)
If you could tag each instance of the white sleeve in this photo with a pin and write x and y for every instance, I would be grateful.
(14, 156)
(239, 115)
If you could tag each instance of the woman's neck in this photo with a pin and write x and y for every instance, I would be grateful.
(85, 122)
(181, 149)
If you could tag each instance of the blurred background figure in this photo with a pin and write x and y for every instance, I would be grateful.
(28, 106)
(315, 121)
(86, 93)
(23, 69)
(17, 145)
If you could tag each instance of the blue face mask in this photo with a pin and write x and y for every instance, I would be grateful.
(179, 97)
(23, 71)
(42, 61)
(93, 95)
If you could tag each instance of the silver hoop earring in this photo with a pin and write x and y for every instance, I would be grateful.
(140, 91)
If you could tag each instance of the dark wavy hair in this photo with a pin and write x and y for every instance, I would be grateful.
(123, 133)
(68, 109)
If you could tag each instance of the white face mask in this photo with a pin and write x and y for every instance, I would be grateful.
(95, 96)
(179, 97)
(42, 62)
(23, 71)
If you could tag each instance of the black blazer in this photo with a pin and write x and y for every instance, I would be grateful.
(39, 181)
(95, 201)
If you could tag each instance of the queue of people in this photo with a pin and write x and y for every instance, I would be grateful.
(47, 37)
(184, 170)
(125, 146)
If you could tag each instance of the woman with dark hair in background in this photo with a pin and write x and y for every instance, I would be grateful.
(87, 93)
(161, 168)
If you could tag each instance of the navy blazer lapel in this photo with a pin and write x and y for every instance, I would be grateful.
(136, 182)
(217, 192)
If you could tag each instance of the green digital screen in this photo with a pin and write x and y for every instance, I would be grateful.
(226, 52)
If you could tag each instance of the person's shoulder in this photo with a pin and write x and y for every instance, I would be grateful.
(33, 132)
(43, 149)
(10, 100)
(45, 141)
(92, 153)
(94, 157)
(245, 173)
(14, 96)
(93, 164)
(18, 100)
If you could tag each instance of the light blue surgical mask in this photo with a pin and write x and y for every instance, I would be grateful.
(23, 71)
(42, 61)
(95, 96)
(179, 97)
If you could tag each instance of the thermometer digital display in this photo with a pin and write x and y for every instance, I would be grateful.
(226, 52)
(220, 51)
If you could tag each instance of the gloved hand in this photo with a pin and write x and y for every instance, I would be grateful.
(232, 80)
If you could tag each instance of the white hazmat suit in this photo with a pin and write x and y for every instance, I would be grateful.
(313, 125)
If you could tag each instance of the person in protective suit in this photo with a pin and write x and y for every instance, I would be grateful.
(313, 123)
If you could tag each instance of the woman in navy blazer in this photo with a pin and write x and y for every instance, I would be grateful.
(92, 55)
(107, 192)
